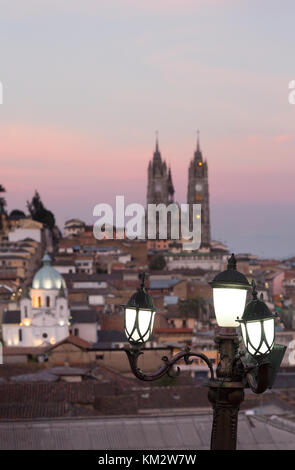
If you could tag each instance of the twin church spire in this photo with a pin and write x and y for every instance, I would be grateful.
(160, 184)
(161, 189)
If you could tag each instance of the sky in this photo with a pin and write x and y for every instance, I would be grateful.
(87, 84)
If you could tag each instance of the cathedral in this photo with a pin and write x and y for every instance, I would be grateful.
(160, 187)
(42, 317)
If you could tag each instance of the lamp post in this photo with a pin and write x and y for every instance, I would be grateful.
(255, 367)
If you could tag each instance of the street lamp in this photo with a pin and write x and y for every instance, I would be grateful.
(139, 316)
(258, 327)
(229, 294)
(255, 368)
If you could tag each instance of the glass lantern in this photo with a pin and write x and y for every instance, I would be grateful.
(229, 294)
(258, 326)
(139, 316)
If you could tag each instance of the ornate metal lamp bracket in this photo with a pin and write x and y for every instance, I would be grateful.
(167, 368)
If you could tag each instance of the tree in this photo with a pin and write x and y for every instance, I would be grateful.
(17, 213)
(39, 212)
(157, 263)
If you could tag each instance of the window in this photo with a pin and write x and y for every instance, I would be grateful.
(47, 301)
(76, 332)
(20, 335)
(39, 302)
(26, 311)
(44, 335)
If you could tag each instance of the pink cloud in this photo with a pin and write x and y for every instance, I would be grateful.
(74, 171)
(283, 138)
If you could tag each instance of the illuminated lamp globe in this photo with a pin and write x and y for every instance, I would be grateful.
(139, 316)
(229, 294)
(258, 326)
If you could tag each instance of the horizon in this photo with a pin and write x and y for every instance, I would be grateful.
(97, 80)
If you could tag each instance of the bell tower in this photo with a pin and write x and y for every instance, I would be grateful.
(160, 187)
(198, 192)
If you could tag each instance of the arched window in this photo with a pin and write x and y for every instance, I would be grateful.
(47, 301)
(26, 311)
(39, 302)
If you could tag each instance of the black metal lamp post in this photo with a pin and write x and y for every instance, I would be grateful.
(255, 368)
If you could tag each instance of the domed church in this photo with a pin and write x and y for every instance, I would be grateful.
(43, 315)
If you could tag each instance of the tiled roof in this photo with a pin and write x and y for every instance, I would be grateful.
(174, 330)
(158, 432)
(63, 262)
(79, 342)
(22, 350)
(163, 283)
(8, 274)
(80, 277)
(89, 291)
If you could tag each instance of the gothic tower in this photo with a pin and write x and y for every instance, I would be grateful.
(160, 186)
(198, 192)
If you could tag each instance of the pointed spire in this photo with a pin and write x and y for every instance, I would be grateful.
(61, 293)
(198, 157)
(157, 153)
(157, 142)
(198, 140)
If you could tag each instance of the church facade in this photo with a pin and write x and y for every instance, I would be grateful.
(160, 188)
(42, 317)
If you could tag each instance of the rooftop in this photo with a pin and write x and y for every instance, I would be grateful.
(187, 431)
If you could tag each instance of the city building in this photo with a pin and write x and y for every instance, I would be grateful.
(160, 188)
(198, 192)
(43, 314)
(74, 227)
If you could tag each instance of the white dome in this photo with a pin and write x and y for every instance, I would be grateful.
(47, 277)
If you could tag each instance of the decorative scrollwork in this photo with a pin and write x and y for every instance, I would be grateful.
(167, 368)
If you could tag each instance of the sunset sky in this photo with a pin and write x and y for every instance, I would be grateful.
(87, 83)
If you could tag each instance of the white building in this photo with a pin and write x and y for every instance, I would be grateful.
(211, 261)
(43, 315)
(27, 229)
(74, 227)
(84, 323)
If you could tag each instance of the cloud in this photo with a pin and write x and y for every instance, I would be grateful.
(283, 138)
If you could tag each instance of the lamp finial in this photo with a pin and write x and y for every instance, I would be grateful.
(142, 277)
(232, 263)
(254, 291)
